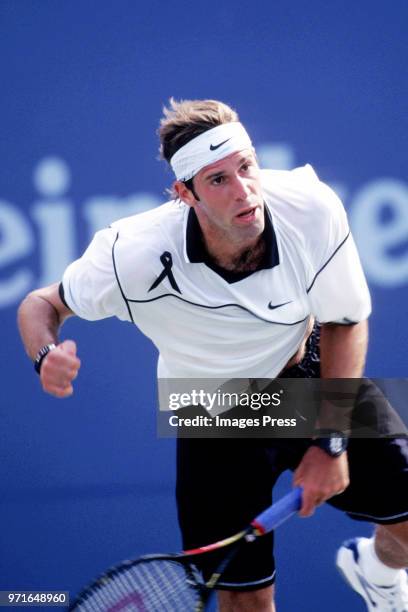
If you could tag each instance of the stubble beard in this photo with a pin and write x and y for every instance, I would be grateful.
(235, 248)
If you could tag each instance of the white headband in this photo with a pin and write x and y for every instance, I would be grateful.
(209, 147)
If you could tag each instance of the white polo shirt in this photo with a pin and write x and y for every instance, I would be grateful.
(151, 269)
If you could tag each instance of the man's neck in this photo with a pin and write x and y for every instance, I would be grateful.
(242, 258)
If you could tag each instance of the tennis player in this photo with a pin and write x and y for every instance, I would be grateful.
(227, 279)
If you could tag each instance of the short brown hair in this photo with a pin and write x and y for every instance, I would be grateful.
(185, 119)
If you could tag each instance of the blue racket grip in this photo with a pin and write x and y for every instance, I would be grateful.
(279, 512)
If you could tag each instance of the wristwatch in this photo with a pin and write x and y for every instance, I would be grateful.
(42, 353)
(334, 444)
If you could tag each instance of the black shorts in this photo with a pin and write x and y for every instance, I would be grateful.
(222, 484)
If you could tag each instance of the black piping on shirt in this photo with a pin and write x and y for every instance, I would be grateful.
(214, 307)
(62, 294)
(129, 300)
(117, 278)
(328, 261)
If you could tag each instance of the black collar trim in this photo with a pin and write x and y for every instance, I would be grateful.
(197, 253)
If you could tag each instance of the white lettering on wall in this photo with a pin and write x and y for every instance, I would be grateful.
(101, 211)
(16, 242)
(56, 223)
(52, 177)
(378, 216)
(379, 239)
(54, 216)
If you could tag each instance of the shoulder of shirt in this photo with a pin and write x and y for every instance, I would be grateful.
(149, 231)
(134, 244)
(303, 174)
(299, 195)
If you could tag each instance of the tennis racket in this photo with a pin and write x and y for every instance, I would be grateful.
(171, 582)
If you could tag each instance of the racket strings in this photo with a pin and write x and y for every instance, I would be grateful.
(146, 586)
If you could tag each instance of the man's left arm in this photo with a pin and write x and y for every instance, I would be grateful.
(339, 299)
(343, 351)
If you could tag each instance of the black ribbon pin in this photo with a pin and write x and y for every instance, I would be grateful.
(167, 262)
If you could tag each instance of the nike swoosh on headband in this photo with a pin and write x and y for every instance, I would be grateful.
(272, 307)
(214, 147)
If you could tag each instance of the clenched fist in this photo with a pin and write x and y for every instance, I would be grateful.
(59, 368)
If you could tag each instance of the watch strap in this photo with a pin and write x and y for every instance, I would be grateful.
(334, 444)
(42, 353)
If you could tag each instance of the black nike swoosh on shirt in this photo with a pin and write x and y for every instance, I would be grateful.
(272, 306)
(214, 147)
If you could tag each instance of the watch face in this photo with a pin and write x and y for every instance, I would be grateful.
(336, 445)
(333, 445)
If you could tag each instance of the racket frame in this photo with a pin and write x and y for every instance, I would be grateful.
(266, 521)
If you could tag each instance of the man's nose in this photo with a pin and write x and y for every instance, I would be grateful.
(241, 188)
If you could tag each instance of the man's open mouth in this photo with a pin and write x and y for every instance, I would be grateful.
(248, 213)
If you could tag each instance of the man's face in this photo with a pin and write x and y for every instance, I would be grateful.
(230, 198)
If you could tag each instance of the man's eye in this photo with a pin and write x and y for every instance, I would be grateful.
(218, 180)
(245, 166)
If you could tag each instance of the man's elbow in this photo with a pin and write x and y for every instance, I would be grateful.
(48, 298)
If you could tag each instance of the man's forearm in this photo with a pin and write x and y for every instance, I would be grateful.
(40, 316)
(38, 322)
(343, 350)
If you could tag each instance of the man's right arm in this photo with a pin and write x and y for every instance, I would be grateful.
(40, 317)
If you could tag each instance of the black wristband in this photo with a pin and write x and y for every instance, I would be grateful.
(334, 443)
(42, 353)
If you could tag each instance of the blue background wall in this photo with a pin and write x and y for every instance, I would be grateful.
(84, 482)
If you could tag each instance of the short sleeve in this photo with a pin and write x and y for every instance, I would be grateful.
(337, 291)
(90, 284)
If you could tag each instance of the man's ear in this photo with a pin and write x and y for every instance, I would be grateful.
(184, 193)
